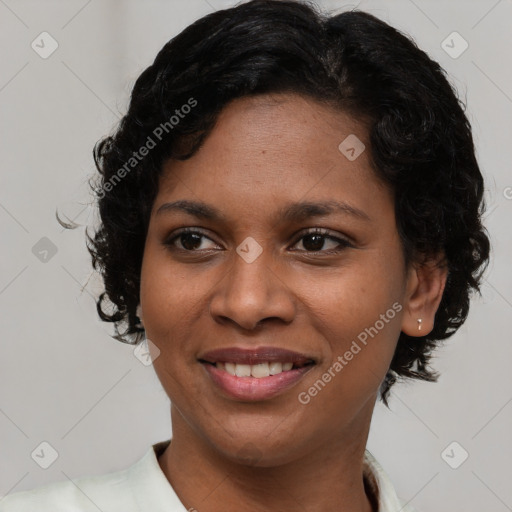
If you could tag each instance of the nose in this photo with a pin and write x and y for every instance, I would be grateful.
(250, 293)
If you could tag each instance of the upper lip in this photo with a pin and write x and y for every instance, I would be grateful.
(252, 356)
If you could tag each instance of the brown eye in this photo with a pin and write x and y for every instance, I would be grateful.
(315, 241)
(189, 239)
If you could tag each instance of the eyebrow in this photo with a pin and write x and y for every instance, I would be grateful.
(291, 213)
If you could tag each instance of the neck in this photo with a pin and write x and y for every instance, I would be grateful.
(327, 479)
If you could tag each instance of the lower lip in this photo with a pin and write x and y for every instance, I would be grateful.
(251, 389)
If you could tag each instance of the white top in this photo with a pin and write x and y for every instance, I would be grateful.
(143, 487)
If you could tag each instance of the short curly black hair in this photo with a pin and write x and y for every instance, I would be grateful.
(421, 143)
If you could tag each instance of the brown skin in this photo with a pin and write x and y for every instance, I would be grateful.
(264, 153)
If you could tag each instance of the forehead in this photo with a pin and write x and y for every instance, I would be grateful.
(276, 149)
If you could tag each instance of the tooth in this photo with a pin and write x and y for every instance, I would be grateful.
(243, 370)
(220, 366)
(260, 370)
(287, 366)
(275, 368)
(230, 368)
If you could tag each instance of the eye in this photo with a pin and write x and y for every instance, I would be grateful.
(190, 240)
(314, 241)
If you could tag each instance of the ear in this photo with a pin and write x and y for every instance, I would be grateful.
(425, 286)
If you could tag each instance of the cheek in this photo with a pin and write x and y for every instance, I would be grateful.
(357, 311)
(165, 290)
(160, 294)
(359, 332)
(173, 299)
(167, 299)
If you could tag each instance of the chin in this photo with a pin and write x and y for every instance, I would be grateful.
(258, 449)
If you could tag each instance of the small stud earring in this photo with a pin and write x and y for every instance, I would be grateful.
(419, 324)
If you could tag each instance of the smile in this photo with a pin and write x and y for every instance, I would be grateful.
(255, 374)
(255, 370)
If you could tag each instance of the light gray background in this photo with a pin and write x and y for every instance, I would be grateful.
(66, 382)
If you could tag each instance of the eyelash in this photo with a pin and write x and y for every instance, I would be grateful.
(314, 231)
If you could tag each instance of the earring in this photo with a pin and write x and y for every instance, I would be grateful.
(419, 324)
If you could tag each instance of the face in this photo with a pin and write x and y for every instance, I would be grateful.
(262, 280)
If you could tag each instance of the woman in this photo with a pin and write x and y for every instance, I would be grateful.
(291, 217)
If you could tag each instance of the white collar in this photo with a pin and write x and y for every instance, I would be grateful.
(153, 491)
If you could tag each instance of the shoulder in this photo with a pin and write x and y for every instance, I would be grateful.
(141, 486)
(109, 491)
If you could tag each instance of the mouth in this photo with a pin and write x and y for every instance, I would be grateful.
(257, 371)
(255, 374)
